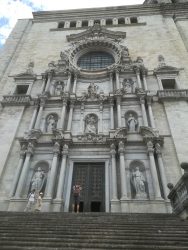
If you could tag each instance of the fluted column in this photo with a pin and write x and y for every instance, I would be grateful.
(114, 172)
(50, 75)
(62, 172)
(34, 116)
(17, 173)
(155, 180)
(43, 83)
(70, 115)
(144, 81)
(53, 171)
(75, 83)
(39, 116)
(145, 120)
(122, 170)
(162, 170)
(63, 113)
(82, 118)
(119, 111)
(68, 82)
(117, 80)
(111, 114)
(24, 171)
(152, 122)
(137, 71)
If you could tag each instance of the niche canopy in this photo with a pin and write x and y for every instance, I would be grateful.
(95, 50)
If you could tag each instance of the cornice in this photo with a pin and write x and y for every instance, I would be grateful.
(107, 12)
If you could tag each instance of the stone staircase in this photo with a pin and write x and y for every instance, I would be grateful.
(92, 231)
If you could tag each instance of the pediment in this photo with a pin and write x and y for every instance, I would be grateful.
(96, 31)
(24, 76)
(148, 132)
(166, 69)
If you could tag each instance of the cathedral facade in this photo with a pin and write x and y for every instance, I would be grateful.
(96, 97)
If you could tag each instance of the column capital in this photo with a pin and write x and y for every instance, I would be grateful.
(142, 99)
(118, 99)
(56, 148)
(22, 154)
(121, 147)
(72, 102)
(64, 101)
(158, 149)
(30, 148)
(113, 149)
(149, 99)
(65, 150)
(150, 147)
(137, 70)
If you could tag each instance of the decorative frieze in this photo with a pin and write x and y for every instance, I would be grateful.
(172, 94)
(16, 100)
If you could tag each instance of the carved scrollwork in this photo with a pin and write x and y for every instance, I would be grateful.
(94, 138)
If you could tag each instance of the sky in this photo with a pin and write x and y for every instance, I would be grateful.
(11, 10)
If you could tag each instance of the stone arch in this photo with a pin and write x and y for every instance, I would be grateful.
(138, 180)
(131, 120)
(91, 123)
(39, 177)
(51, 122)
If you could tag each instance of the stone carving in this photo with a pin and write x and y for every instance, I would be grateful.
(92, 91)
(139, 184)
(30, 68)
(92, 94)
(58, 134)
(124, 55)
(128, 86)
(33, 134)
(38, 180)
(132, 123)
(93, 138)
(161, 61)
(59, 88)
(121, 133)
(51, 122)
(91, 124)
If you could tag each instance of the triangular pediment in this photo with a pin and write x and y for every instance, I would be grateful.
(97, 31)
(166, 69)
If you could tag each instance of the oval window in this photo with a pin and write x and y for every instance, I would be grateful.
(95, 60)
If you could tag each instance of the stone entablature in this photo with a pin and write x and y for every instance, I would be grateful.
(172, 94)
(16, 100)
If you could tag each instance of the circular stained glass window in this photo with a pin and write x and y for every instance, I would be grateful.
(95, 60)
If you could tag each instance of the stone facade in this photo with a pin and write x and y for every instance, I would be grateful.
(125, 122)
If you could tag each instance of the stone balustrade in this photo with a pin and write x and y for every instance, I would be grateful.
(172, 94)
(179, 194)
(16, 100)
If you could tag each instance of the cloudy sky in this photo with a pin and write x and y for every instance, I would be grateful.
(11, 10)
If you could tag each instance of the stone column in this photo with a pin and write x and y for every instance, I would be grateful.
(119, 111)
(25, 168)
(159, 83)
(114, 173)
(111, 114)
(111, 82)
(149, 100)
(70, 115)
(43, 83)
(39, 116)
(144, 81)
(101, 118)
(82, 118)
(17, 173)
(50, 75)
(138, 78)
(145, 120)
(53, 171)
(162, 170)
(62, 173)
(75, 83)
(33, 119)
(117, 80)
(154, 175)
(68, 82)
(63, 113)
(122, 171)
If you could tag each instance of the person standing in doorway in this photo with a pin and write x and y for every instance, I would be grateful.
(76, 196)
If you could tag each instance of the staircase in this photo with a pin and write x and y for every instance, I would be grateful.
(70, 231)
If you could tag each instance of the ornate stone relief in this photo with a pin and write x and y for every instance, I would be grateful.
(51, 122)
(33, 134)
(120, 133)
(92, 138)
(132, 122)
(151, 135)
(91, 124)
(92, 94)
(163, 68)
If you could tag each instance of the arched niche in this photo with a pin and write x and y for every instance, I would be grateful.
(138, 180)
(39, 177)
(91, 124)
(58, 88)
(51, 122)
(131, 121)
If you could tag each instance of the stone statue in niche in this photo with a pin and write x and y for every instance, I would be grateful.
(38, 180)
(161, 61)
(92, 90)
(128, 86)
(132, 123)
(59, 88)
(51, 123)
(139, 184)
(91, 124)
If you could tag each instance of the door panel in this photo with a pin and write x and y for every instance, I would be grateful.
(91, 177)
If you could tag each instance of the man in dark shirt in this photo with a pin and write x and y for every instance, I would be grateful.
(76, 196)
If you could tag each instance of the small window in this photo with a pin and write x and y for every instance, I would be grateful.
(109, 22)
(21, 89)
(121, 21)
(72, 24)
(61, 25)
(169, 83)
(84, 23)
(133, 20)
